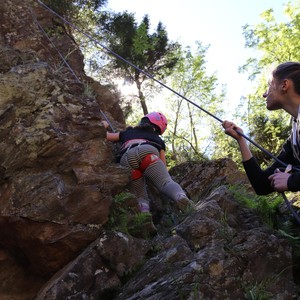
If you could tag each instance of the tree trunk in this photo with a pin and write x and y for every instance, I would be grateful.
(142, 98)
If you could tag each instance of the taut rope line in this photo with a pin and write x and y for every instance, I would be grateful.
(159, 82)
(178, 94)
(47, 36)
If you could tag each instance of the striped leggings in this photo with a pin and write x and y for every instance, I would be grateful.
(156, 172)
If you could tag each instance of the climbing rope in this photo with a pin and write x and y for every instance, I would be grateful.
(178, 94)
(47, 36)
(106, 119)
(289, 206)
(159, 82)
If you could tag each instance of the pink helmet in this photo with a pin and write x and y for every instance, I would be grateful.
(158, 119)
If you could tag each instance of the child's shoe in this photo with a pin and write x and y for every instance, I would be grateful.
(144, 206)
(183, 202)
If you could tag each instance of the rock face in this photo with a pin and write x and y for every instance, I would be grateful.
(206, 258)
(58, 181)
(219, 251)
(98, 270)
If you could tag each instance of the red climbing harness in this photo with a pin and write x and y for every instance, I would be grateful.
(148, 160)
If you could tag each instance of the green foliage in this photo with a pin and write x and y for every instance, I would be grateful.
(61, 7)
(225, 146)
(265, 206)
(268, 129)
(277, 42)
(261, 290)
(270, 132)
(139, 225)
(151, 53)
(190, 129)
(71, 8)
(258, 291)
(290, 230)
(83, 14)
(119, 215)
(288, 235)
(88, 91)
(125, 217)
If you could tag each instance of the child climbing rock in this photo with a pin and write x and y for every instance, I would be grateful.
(143, 154)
